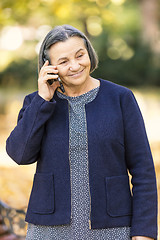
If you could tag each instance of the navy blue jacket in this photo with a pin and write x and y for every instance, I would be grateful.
(117, 143)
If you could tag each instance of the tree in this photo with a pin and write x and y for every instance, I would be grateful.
(150, 24)
(113, 26)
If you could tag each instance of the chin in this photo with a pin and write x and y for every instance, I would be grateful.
(75, 81)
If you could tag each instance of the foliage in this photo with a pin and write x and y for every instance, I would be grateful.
(139, 70)
(112, 25)
(20, 74)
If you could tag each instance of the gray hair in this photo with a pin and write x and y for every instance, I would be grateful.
(61, 34)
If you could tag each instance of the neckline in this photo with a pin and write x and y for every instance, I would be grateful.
(97, 95)
(76, 97)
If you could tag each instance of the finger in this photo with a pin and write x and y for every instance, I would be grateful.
(46, 63)
(52, 76)
(51, 70)
(48, 70)
(44, 66)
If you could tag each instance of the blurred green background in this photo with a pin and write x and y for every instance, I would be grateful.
(126, 36)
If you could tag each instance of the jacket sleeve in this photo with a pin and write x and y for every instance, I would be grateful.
(24, 143)
(140, 164)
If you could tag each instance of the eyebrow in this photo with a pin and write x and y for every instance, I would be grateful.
(63, 58)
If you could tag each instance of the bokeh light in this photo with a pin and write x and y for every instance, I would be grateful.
(94, 25)
(119, 49)
(118, 2)
(11, 38)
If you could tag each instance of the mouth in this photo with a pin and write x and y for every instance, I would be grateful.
(76, 74)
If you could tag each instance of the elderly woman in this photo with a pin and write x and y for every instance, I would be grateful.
(85, 134)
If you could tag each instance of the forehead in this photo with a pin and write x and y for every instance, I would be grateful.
(68, 47)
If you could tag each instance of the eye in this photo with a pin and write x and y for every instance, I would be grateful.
(63, 62)
(80, 55)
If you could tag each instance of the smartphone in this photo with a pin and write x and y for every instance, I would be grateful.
(50, 81)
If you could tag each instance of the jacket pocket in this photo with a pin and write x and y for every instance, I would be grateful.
(119, 200)
(42, 195)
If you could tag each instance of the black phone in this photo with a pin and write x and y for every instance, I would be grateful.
(50, 81)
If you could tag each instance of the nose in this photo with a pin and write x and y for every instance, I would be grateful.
(74, 66)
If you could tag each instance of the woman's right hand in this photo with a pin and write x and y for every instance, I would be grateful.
(47, 72)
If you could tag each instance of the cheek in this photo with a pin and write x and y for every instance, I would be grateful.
(88, 65)
(87, 62)
(62, 71)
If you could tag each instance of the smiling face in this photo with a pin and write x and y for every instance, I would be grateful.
(72, 61)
